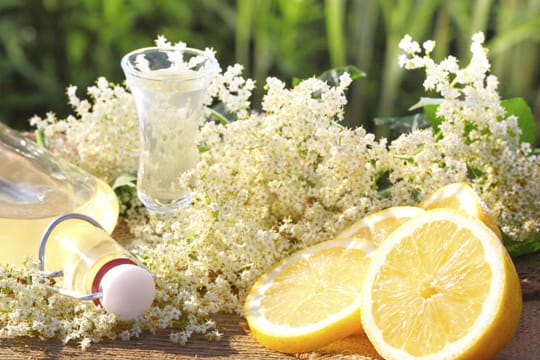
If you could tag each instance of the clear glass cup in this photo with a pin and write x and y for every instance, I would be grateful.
(169, 87)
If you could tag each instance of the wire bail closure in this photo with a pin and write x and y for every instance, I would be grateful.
(59, 273)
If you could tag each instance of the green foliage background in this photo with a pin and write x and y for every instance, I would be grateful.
(46, 45)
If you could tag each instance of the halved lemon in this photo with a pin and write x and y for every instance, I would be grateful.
(462, 197)
(311, 298)
(442, 286)
(377, 226)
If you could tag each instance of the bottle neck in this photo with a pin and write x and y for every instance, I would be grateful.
(104, 269)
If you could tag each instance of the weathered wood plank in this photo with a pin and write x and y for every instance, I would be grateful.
(238, 344)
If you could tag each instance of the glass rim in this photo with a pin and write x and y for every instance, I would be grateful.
(129, 69)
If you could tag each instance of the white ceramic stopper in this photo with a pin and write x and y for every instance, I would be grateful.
(128, 291)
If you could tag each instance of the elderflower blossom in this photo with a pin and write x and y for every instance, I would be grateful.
(91, 137)
(477, 132)
(267, 185)
(232, 90)
(162, 42)
(273, 182)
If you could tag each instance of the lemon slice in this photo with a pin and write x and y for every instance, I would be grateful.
(377, 226)
(442, 286)
(462, 197)
(311, 298)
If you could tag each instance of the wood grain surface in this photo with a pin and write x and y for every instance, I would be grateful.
(238, 344)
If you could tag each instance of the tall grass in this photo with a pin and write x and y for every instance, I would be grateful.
(244, 16)
(279, 38)
(512, 28)
(400, 17)
(334, 12)
(46, 45)
(366, 34)
(363, 52)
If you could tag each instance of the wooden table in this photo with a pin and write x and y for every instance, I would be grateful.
(238, 344)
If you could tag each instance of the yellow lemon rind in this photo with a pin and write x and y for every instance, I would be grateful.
(368, 225)
(462, 190)
(498, 320)
(307, 338)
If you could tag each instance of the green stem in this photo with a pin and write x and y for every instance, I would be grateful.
(363, 18)
(220, 118)
(243, 31)
(480, 16)
(391, 77)
(334, 15)
(442, 33)
(263, 45)
(40, 138)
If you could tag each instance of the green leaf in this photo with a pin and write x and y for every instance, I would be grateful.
(41, 139)
(216, 113)
(425, 101)
(202, 148)
(295, 81)
(474, 173)
(429, 105)
(395, 126)
(519, 248)
(335, 13)
(519, 108)
(332, 76)
(519, 32)
(514, 106)
(430, 111)
(77, 45)
(383, 183)
(128, 180)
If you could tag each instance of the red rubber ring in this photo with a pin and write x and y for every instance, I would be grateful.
(101, 272)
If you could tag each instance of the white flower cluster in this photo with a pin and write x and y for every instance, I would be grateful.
(477, 136)
(267, 185)
(232, 90)
(279, 180)
(29, 306)
(102, 137)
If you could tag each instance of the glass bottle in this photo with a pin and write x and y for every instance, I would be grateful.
(55, 212)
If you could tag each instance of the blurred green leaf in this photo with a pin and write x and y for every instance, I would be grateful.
(395, 126)
(334, 17)
(7, 4)
(504, 41)
(425, 101)
(519, 248)
(46, 45)
(526, 122)
(77, 44)
(332, 76)
(220, 114)
(124, 180)
(474, 173)
(243, 30)
(430, 111)
(429, 106)
(41, 139)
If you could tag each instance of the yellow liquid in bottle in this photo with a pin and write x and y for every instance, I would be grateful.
(39, 195)
(80, 250)
(31, 197)
(20, 237)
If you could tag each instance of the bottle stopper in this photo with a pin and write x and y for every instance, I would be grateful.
(128, 290)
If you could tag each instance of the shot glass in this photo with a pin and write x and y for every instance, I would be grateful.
(169, 87)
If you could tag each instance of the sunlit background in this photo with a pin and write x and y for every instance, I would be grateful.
(46, 45)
